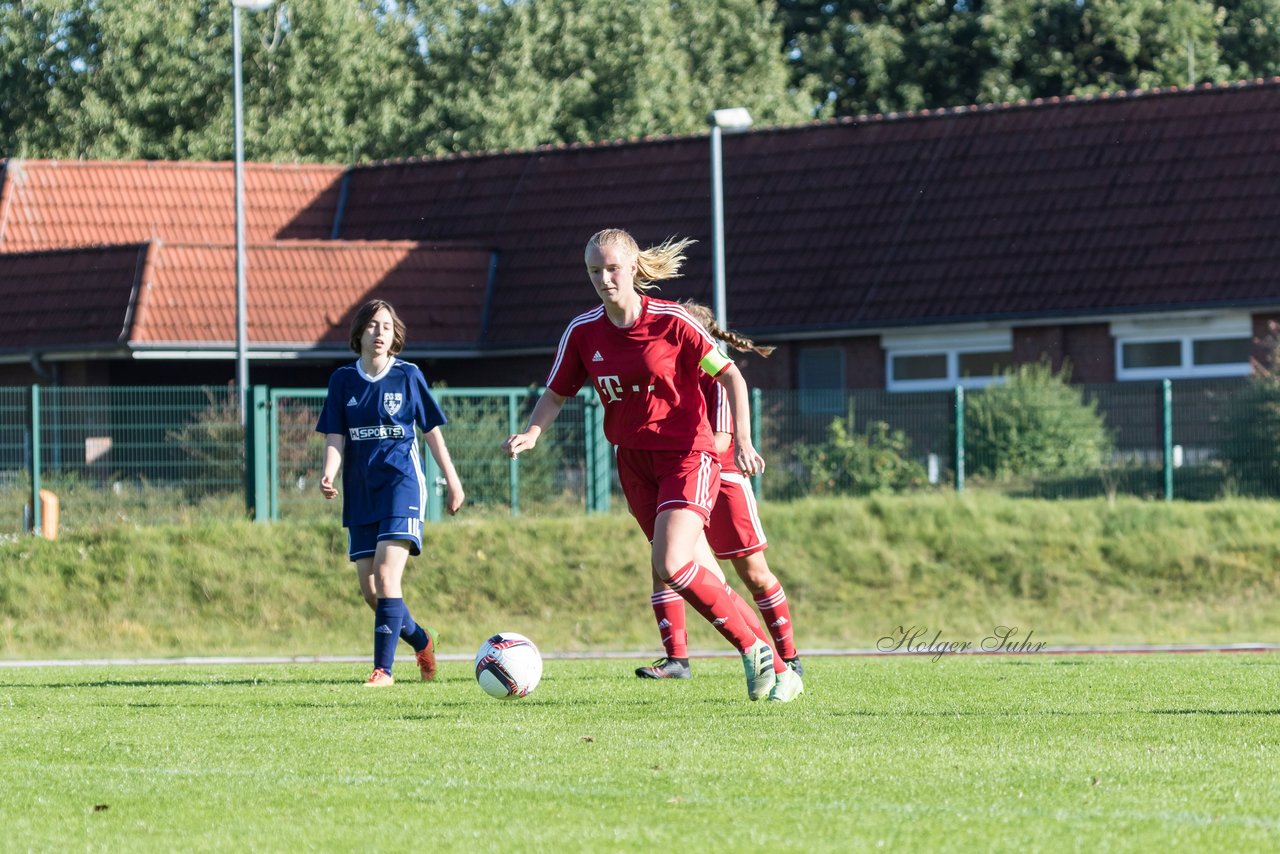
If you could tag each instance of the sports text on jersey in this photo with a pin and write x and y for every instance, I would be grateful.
(382, 431)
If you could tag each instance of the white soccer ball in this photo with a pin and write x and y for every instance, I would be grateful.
(508, 665)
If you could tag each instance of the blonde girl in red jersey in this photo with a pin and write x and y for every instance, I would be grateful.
(734, 533)
(644, 355)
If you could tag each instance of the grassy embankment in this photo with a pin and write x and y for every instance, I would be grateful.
(1073, 572)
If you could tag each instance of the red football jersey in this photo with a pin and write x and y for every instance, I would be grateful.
(720, 417)
(647, 375)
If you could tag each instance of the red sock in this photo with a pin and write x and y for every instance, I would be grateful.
(668, 608)
(777, 616)
(711, 598)
(749, 616)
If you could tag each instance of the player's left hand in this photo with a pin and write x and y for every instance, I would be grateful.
(749, 462)
(454, 498)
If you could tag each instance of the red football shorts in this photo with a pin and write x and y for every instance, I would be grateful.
(654, 481)
(734, 529)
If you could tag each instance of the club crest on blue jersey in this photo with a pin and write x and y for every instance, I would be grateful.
(392, 401)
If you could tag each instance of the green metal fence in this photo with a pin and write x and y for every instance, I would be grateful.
(146, 454)
(568, 471)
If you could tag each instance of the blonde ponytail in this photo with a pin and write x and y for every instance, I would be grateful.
(653, 264)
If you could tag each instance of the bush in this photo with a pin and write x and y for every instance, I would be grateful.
(477, 428)
(1032, 423)
(1251, 441)
(851, 464)
(214, 438)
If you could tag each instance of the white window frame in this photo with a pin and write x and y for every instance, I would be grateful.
(1185, 331)
(951, 344)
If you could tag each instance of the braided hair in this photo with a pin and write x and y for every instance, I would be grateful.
(736, 340)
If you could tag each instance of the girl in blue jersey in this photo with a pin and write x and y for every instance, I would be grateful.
(368, 419)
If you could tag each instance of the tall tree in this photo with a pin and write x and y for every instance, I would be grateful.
(42, 44)
(878, 55)
(323, 80)
(1250, 37)
(530, 72)
(1070, 47)
(348, 80)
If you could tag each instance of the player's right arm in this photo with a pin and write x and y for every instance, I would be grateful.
(567, 374)
(544, 413)
(334, 443)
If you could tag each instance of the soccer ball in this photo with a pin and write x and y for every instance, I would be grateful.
(508, 665)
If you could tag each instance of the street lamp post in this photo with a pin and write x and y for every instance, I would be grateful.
(242, 310)
(731, 120)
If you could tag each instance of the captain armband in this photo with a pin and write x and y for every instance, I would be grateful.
(715, 362)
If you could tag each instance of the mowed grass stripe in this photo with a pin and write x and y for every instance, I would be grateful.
(967, 753)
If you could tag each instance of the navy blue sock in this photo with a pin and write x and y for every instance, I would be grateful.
(412, 633)
(387, 618)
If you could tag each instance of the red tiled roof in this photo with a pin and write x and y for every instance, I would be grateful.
(300, 294)
(55, 204)
(1139, 202)
(72, 299)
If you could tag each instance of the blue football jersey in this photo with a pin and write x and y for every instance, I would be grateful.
(382, 473)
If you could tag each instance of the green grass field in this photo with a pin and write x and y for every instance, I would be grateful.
(1025, 753)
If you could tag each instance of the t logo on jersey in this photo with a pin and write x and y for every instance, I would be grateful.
(610, 388)
(391, 401)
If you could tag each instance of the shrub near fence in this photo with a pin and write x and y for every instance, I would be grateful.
(142, 455)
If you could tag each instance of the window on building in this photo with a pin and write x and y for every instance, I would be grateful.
(1217, 346)
(927, 366)
(917, 362)
(821, 380)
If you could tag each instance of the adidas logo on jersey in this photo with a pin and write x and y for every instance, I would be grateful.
(383, 629)
(664, 624)
(781, 621)
(353, 402)
(597, 357)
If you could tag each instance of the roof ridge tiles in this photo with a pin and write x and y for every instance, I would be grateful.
(261, 165)
(861, 118)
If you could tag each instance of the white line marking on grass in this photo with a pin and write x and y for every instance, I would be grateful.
(1127, 649)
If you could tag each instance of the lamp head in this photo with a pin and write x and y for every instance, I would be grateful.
(731, 119)
(253, 5)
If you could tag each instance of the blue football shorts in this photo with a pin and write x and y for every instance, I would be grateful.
(362, 540)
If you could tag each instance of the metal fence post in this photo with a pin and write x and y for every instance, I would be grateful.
(959, 417)
(513, 467)
(257, 476)
(596, 448)
(435, 501)
(273, 459)
(757, 439)
(1166, 404)
(34, 462)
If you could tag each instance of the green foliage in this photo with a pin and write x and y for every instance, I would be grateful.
(520, 74)
(352, 80)
(866, 56)
(848, 463)
(336, 80)
(214, 437)
(1250, 37)
(1251, 438)
(1077, 571)
(1033, 422)
(477, 430)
